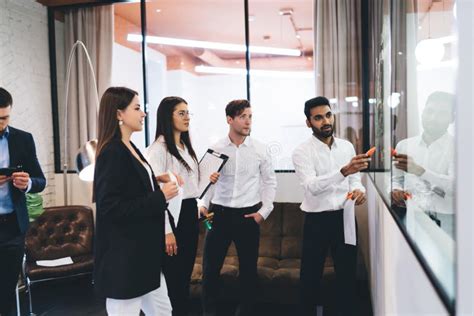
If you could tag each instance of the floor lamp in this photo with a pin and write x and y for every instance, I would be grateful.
(89, 145)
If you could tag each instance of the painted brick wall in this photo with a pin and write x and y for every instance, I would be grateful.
(24, 71)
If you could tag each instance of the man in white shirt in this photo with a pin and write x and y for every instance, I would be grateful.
(241, 200)
(424, 164)
(328, 170)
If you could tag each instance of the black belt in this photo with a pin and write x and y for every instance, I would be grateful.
(325, 213)
(189, 200)
(6, 218)
(253, 208)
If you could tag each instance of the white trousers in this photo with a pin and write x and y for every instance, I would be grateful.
(154, 303)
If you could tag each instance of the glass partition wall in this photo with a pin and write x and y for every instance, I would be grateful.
(413, 89)
(196, 50)
(282, 79)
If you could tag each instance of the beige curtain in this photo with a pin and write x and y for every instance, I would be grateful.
(95, 28)
(338, 61)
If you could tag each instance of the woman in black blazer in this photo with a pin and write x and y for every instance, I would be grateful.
(130, 213)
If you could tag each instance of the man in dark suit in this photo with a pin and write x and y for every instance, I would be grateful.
(17, 150)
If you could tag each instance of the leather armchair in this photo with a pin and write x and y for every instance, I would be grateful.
(59, 232)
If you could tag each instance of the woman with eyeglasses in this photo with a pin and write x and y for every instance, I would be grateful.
(172, 151)
(130, 213)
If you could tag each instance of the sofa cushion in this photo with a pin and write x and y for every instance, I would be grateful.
(229, 272)
(292, 230)
(270, 235)
(81, 264)
(266, 262)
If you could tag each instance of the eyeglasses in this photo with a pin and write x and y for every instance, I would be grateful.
(183, 114)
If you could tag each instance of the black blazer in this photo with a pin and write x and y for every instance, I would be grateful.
(130, 225)
(21, 148)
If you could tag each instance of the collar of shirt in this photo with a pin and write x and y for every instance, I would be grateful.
(441, 140)
(228, 142)
(322, 145)
(5, 133)
(161, 139)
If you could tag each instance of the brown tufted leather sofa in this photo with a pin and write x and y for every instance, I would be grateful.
(59, 232)
(278, 262)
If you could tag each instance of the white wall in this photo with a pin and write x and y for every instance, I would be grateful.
(127, 71)
(398, 284)
(277, 107)
(464, 159)
(24, 72)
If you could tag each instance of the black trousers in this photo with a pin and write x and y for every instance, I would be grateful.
(12, 249)
(178, 269)
(230, 225)
(323, 231)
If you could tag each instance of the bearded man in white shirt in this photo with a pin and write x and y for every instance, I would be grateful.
(328, 169)
(241, 200)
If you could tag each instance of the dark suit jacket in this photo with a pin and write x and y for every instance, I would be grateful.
(21, 147)
(130, 225)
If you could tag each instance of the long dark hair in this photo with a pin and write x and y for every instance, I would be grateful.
(164, 126)
(114, 98)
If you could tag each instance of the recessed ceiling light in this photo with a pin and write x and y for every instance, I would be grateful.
(286, 11)
(255, 72)
(215, 45)
(158, 10)
(429, 51)
(352, 99)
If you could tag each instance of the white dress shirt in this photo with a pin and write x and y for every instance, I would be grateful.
(246, 179)
(318, 168)
(433, 190)
(162, 161)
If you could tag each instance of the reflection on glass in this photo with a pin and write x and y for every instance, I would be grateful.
(422, 143)
(424, 164)
(382, 92)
